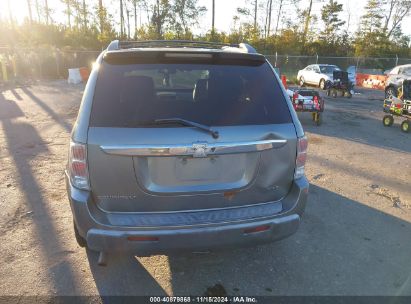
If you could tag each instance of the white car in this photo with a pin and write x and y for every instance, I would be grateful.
(352, 74)
(395, 78)
(317, 74)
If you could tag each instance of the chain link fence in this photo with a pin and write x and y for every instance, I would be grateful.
(290, 65)
(42, 63)
(52, 63)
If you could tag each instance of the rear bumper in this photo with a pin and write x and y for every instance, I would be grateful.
(103, 232)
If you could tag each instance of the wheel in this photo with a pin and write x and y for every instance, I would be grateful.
(405, 126)
(388, 120)
(322, 84)
(302, 81)
(390, 91)
(80, 240)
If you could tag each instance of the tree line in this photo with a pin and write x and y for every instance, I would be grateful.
(272, 26)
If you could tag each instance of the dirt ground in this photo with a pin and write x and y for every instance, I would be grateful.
(355, 238)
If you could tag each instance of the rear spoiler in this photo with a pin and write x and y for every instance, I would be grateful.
(181, 56)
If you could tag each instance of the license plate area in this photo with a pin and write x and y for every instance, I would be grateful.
(189, 174)
(198, 169)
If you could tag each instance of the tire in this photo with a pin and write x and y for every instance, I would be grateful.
(390, 91)
(405, 126)
(322, 84)
(80, 240)
(302, 82)
(387, 120)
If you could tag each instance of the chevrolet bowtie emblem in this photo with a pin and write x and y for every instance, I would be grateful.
(199, 150)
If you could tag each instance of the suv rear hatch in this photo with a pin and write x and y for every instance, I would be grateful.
(140, 164)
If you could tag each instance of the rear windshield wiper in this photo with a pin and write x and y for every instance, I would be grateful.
(187, 123)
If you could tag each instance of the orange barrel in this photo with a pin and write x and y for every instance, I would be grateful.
(85, 73)
(284, 80)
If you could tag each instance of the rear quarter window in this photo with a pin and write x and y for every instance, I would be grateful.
(130, 95)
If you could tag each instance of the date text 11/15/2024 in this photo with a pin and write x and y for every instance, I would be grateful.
(203, 299)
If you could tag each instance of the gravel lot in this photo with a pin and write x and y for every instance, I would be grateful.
(355, 238)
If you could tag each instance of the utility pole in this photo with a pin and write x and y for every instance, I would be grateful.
(269, 18)
(68, 13)
(46, 7)
(135, 18)
(38, 11)
(30, 13)
(128, 22)
(278, 16)
(84, 15)
(100, 14)
(213, 19)
(265, 22)
(255, 14)
(10, 14)
(121, 18)
(307, 23)
(349, 15)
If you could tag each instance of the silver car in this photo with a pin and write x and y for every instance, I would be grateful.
(184, 146)
(395, 78)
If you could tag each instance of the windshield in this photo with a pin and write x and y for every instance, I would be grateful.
(407, 71)
(328, 69)
(128, 95)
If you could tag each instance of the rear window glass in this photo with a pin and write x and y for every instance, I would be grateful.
(328, 69)
(132, 95)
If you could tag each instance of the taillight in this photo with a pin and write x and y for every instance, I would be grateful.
(77, 166)
(302, 144)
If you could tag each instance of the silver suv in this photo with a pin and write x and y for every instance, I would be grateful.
(182, 145)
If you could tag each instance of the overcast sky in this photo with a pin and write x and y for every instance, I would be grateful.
(225, 10)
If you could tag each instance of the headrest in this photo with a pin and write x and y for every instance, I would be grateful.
(136, 87)
(200, 90)
(227, 86)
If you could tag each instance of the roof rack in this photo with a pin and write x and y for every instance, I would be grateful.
(241, 47)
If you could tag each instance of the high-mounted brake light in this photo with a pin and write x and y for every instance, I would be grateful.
(187, 55)
(77, 166)
(302, 145)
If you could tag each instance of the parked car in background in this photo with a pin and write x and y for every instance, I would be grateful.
(184, 148)
(395, 78)
(317, 74)
(352, 73)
